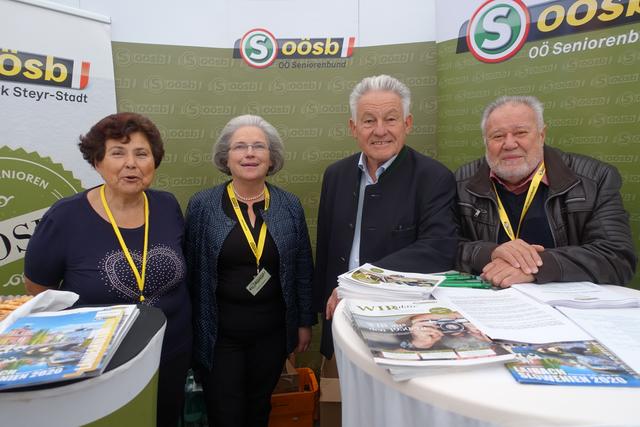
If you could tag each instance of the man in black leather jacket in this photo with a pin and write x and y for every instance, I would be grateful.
(574, 226)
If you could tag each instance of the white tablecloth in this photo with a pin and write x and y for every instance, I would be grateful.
(486, 396)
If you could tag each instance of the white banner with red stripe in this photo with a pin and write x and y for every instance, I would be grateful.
(56, 80)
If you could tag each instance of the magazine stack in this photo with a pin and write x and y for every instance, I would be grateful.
(413, 338)
(369, 282)
(59, 346)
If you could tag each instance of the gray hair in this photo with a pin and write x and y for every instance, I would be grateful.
(382, 82)
(530, 101)
(221, 147)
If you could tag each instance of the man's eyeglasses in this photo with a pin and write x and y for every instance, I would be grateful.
(241, 147)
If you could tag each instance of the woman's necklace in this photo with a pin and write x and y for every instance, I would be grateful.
(250, 198)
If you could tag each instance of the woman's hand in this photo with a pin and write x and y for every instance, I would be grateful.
(304, 339)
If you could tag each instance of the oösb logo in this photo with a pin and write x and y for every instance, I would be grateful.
(498, 29)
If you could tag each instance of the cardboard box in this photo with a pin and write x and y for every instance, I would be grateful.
(330, 399)
(296, 409)
(289, 379)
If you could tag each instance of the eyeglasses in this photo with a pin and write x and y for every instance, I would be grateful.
(241, 147)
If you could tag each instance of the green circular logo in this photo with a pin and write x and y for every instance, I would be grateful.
(498, 29)
(29, 184)
(259, 48)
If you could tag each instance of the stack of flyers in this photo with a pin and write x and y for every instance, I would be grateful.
(373, 283)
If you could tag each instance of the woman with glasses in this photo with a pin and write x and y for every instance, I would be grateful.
(249, 269)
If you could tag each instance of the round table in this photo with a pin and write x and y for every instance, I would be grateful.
(478, 396)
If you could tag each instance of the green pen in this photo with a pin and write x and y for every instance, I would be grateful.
(456, 274)
(461, 279)
(466, 284)
(460, 276)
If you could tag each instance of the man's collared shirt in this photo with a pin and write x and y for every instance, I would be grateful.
(365, 179)
(523, 186)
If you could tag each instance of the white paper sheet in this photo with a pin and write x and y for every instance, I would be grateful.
(616, 328)
(577, 294)
(509, 315)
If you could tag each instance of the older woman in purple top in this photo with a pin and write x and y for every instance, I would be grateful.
(122, 243)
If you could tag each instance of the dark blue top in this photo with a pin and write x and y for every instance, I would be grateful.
(535, 228)
(76, 248)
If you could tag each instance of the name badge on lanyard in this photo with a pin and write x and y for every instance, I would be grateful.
(258, 282)
(262, 276)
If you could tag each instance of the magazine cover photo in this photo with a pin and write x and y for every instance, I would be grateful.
(586, 363)
(422, 331)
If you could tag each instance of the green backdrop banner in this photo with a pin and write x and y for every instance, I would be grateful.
(190, 93)
(591, 99)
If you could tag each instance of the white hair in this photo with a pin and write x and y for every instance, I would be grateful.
(382, 82)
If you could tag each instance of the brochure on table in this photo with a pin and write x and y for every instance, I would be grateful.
(583, 363)
(415, 336)
(58, 346)
(373, 283)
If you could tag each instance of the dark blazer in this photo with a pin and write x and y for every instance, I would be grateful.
(207, 227)
(408, 222)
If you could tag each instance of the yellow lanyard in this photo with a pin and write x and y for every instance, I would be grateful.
(123, 245)
(533, 188)
(256, 249)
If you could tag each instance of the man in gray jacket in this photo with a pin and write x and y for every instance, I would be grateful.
(532, 213)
